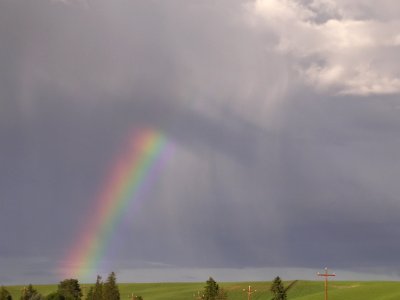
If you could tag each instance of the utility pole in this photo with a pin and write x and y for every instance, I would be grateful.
(326, 275)
(249, 292)
(198, 296)
(133, 297)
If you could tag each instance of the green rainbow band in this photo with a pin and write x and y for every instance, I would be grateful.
(129, 176)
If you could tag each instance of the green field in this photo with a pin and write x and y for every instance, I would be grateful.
(302, 290)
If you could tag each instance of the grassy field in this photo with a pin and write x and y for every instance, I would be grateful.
(302, 290)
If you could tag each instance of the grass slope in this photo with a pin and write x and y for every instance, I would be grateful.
(302, 290)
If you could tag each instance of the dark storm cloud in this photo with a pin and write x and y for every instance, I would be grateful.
(264, 174)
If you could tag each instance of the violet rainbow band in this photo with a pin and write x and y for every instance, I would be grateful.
(131, 175)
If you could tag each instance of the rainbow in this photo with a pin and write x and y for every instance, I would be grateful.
(131, 175)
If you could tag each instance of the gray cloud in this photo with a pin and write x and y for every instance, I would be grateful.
(267, 171)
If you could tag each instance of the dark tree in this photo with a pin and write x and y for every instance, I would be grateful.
(29, 293)
(37, 297)
(4, 294)
(55, 296)
(89, 295)
(211, 289)
(98, 289)
(70, 289)
(110, 288)
(278, 290)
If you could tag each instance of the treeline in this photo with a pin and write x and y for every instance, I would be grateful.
(212, 291)
(104, 290)
(69, 289)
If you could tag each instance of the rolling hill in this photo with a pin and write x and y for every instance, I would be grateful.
(302, 290)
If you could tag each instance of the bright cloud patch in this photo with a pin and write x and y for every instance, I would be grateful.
(336, 46)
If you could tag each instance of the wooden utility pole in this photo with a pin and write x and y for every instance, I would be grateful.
(133, 297)
(198, 296)
(326, 275)
(249, 292)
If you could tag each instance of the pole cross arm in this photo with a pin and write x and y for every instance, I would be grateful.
(249, 292)
(326, 275)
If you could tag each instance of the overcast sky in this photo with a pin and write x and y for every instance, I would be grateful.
(285, 116)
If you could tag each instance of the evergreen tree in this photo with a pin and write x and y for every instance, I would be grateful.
(278, 290)
(70, 289)
(30, 293)
(4, 294)
(211, 289)
(89, 295)
(110, 288)
(98, 289)
(55, 296)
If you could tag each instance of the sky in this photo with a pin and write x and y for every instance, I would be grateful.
(284, 116)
